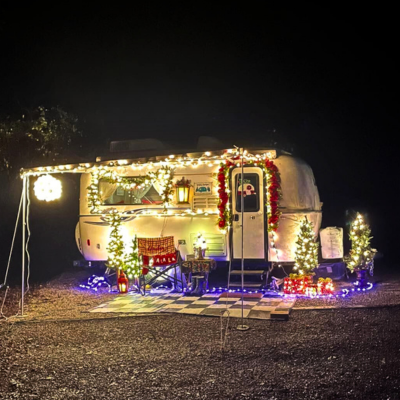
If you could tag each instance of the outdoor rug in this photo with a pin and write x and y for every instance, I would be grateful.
(207, 305)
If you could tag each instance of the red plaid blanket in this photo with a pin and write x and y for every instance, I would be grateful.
(161, 249)
(156, 246)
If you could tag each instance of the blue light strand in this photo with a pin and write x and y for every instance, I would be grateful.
(161, 287)
(347, 292)
(224, 289)
(343, 293)
(358, 288)
(94, 282)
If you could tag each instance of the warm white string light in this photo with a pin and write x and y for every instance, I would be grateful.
(208, 158)
(113, 169)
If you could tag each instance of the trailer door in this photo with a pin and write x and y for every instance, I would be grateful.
(253, 213)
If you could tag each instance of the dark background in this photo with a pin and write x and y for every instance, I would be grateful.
(321, 82)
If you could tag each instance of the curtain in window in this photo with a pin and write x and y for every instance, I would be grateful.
(157, 186)
(106, 190)
(139, 193)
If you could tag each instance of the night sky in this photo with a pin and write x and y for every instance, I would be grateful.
(322, 82)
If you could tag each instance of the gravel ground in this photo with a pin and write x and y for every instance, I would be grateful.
(330, 354)
(337, 354)
(58, 299)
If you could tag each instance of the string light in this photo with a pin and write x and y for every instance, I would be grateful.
(162, 176)
(107, 171)
(224, 289)
(95, 282)
(174, 161)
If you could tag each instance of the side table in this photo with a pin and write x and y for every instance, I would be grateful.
(200, 270)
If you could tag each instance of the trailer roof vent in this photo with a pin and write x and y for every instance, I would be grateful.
(136, 145)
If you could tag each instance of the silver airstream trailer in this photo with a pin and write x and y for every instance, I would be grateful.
(143, 213)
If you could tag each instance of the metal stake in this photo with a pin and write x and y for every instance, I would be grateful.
(23, 243)
(242, 327)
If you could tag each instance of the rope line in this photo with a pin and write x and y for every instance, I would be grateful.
(9, 262)
(12, 243)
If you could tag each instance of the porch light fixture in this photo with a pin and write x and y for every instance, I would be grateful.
(182, 191)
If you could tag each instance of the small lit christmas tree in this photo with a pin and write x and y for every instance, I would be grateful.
(361, 254)
(115, 248)
(306, 256)
(134, 262)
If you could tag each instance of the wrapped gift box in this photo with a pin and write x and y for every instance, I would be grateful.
(296, 284)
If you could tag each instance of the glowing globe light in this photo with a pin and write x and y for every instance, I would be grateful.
(47, 188)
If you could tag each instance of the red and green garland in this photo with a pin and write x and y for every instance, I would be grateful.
(224, 219)
(274, 193)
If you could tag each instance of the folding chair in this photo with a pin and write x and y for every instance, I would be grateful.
(159, 256)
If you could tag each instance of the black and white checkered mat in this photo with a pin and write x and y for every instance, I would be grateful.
(208, 305)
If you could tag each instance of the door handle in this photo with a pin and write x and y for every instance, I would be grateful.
(236, 217)
(253, 217)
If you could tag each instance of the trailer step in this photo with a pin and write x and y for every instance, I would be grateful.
(248, 272)
(245, 285)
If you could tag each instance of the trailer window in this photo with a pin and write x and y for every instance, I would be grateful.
(112, 194)
(251, 195)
